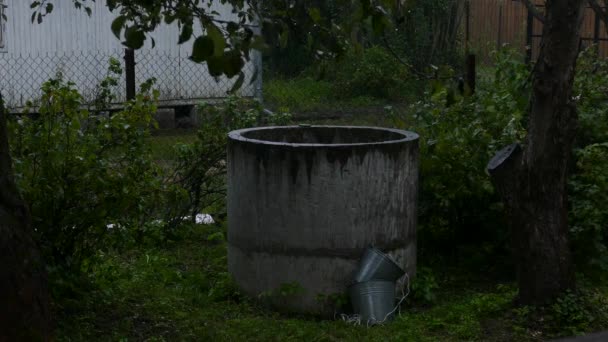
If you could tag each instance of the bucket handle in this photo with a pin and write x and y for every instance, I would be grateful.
(405, 291)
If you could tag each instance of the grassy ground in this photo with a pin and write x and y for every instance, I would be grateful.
(183, 292)
(303, 95)
(162, 143)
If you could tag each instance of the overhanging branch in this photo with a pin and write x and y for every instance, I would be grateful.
(534, 10)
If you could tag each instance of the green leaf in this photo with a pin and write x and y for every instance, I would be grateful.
(219, 42)
(232, 27)
(134, 37)
(283, 38)
(233, 63)
(258, 43)
(117, 25)
(202, 49)
(49, 8)
(186, 33)
(239, 82)
(314, 14)
(215, 66)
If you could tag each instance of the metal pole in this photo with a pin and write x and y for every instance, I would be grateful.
(467, 25)
(471, 72)
(258, 60)
(499, 38)
(529, 33)
(596, 32)
(130, 73)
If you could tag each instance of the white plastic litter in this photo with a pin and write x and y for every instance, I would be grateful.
(200, 219)
(204, 219)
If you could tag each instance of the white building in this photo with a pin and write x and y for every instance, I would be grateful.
(79, 46)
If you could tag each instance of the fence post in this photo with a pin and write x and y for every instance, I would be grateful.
(596, 32)
(258, 92)
(130, 73)
(471, 72)
(467, 33)
(529, 33)
(499, 38)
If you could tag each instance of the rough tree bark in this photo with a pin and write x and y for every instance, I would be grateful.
(24, 298)
(532, 179)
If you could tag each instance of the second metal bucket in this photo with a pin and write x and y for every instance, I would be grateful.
(374, 301)
(375, 265)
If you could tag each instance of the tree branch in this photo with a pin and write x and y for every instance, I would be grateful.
(601, 12)
(534, 10)
(597, 8)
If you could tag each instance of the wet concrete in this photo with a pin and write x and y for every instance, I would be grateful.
(305, 202)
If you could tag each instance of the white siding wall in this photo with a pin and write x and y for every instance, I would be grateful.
(79, 46)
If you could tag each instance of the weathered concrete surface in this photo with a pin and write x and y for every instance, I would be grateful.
(305, 202)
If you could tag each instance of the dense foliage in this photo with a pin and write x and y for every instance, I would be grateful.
(81, 172)
(460, 215)
(93, 186)
(200, 167)
(371, 72)
(459, 209)
(589, 183)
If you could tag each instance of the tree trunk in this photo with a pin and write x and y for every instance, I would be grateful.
(24, 298)
(532, 180)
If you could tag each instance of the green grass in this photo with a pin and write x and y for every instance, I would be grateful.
(307, 94)
(183, 292)
(163, 142)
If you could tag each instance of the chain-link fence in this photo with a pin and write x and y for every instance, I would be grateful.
(179, 80)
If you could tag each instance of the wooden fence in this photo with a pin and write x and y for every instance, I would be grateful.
(493, 23)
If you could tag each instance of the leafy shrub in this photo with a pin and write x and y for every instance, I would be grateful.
(79, 173)
(198, 178)
(589, 183)
(371, 72)
(573, 313)
(429, 33)
(300, 94)
(591, 90)
(424, 286)
(459, 135)
(589, 217)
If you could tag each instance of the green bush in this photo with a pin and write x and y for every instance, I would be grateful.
(300, 94)
(80, 172)
(588, 215)
(372, 72)
(459, 208)
(591, 90)
(429, 33)
(589, 182)
(459, 135)
(574, 313)
(198, 177)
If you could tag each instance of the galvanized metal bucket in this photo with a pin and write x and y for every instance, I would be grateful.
(376, 265)
(373, 301)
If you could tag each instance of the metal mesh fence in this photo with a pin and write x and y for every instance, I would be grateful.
(21, 76)
(179, 80)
